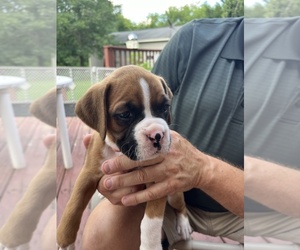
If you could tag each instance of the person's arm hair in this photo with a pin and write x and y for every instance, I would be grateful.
(224, 183)
(273, 185)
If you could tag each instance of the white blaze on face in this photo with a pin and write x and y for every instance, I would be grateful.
(150, 126)
(146, 97)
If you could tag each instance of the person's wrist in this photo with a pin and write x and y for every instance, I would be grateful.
(204, 165)
(250, 172)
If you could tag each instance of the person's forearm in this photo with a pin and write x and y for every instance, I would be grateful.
(272, 185)
(224, 183)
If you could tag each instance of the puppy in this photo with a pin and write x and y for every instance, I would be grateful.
(130, 112)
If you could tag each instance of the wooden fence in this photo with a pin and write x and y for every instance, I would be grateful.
(115, 56)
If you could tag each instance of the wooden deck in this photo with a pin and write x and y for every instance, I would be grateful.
(14, 183)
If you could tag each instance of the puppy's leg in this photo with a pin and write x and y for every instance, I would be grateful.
(151, 225)
(19, 227)
(84, 188)
(183, 226)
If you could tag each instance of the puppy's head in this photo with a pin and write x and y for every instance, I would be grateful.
(131, 111)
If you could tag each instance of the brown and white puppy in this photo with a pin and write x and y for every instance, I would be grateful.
(129, 111)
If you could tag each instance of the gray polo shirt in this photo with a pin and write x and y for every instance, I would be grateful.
(272, 92)
(203, 65)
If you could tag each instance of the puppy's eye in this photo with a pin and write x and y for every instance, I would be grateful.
(165, 109)
(125, 116)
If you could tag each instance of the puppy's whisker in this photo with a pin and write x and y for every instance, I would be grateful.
(129, 151)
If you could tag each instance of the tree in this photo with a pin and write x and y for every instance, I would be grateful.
(274, 8)
(282, 8)
(232, 8)
(255, 11)
(179, 16)
(207, 11)
(27, 32)
(83, 27)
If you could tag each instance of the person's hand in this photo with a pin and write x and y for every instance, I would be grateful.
(177, 171)
(114, 196)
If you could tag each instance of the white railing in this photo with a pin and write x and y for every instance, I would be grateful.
(42, 79)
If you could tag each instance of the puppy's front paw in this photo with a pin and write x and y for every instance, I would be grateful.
(184, 228)
(71, 247)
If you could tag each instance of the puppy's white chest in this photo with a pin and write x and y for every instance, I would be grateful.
(110, 152)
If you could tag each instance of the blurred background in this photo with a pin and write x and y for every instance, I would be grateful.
(81, 42)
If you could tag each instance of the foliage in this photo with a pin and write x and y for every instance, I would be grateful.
(257, 10)
(27, 32)
(274, 8)
(232, 8)
(79, 35)
(282, 8)
(122, 23)
(83, 29)
(179, 16)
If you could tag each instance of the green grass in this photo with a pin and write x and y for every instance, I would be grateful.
(38, 89)
(79, 91)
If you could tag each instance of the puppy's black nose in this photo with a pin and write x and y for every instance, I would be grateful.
(157, 145)
(157, 137)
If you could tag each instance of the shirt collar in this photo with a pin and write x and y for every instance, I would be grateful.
(274, 38)
(234, 47)
(286, 45)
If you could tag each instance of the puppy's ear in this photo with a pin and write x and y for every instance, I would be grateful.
(44, 108)
(92, 107)
(166, 88)
(169, 94)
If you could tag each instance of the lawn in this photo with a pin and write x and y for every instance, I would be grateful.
(41, 80)
(38, 89)
(80, 88)
(33, 91)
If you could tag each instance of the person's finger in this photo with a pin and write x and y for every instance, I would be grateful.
(153, 192)
(86, 140)
(116, 196)
(139, 176)
(123, 163)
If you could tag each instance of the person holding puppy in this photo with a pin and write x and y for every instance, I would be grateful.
(203, 65)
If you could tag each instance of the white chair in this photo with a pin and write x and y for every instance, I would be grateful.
(8, 121)
(63, 82)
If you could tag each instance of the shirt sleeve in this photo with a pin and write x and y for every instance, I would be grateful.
(171, 64)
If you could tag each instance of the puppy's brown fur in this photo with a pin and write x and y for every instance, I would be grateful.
(96, 109)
